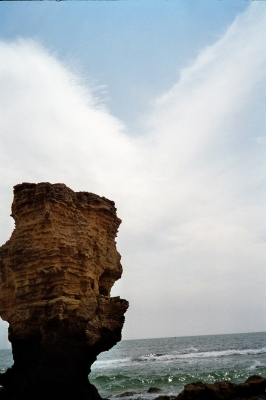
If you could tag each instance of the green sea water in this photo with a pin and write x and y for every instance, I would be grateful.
(170, 363)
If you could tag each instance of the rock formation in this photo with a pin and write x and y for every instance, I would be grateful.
(254, 386)
(56, 273)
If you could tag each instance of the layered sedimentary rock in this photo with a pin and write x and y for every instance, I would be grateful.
(56, 273)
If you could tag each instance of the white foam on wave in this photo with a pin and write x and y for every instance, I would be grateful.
(197, 354)
(142, 395)
(256, 364)
(111, 363)
(215, 353)
(192, 353)
(223, 353)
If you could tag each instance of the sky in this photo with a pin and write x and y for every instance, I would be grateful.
(159, 106)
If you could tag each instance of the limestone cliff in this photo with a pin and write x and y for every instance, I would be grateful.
(56, 273)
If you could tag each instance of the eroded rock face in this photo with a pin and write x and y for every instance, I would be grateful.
(56, 273)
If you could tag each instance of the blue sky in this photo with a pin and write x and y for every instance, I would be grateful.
(158, 106)
(135, 49)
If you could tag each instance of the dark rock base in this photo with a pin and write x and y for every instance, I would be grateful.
(58, 372)
(225, 390)
(66, 394)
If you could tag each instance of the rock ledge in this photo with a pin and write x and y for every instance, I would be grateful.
(254, 386)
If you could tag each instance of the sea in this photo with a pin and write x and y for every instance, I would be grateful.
(132, 367)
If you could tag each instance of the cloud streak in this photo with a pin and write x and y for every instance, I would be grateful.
(190, 191)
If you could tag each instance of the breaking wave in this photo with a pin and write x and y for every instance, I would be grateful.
(192, 353)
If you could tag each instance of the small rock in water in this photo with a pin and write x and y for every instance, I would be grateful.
(153, 390)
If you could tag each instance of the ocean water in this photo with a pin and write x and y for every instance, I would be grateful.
(171, 363)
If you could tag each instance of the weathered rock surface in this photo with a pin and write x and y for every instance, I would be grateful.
(56, 273)
(225, 390)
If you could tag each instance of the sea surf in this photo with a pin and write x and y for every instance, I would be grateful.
(133, 366)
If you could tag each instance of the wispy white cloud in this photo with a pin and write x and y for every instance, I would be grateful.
(191, 191)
